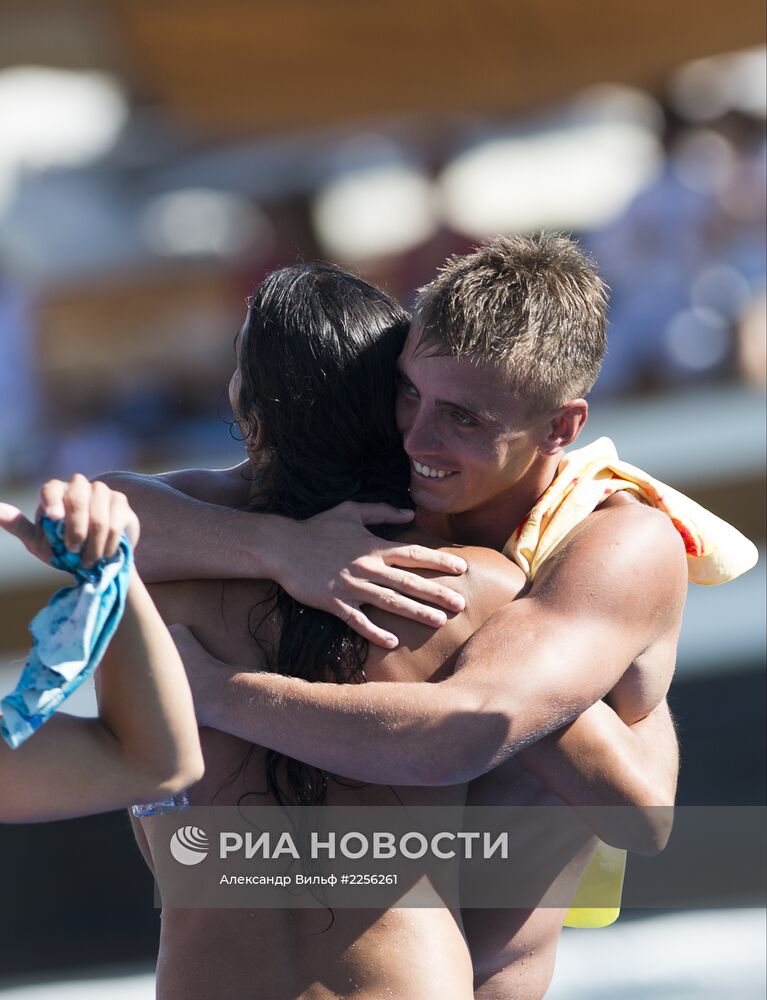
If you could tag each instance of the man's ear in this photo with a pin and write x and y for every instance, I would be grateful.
(564, 426)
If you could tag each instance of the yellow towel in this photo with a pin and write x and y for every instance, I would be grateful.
(716, 553)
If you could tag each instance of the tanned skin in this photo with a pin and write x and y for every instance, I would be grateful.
(144, 743)
(596, 632)
(301, 954)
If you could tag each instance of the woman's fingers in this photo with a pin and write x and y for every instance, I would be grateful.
(377, 513)
(52, 499)
(421, 557)
(364, 592)
(99, 517)
(359, 622)
(398, 604)
(77, 502)
(121, 519)
(14, 522)
(95, 516)
(420, 588)
(30, 535)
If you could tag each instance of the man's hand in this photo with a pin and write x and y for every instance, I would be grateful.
(94, 516)
(533, 667)
(332, 562)
(204, 672)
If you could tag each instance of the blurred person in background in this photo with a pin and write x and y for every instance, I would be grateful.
(623, 634)
(686, 261)
(144, 744)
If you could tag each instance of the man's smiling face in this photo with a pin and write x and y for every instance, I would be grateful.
(469, 441)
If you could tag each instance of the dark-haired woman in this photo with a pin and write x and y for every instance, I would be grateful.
(313, 393)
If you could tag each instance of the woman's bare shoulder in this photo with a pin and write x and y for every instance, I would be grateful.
(491, 580)
(490, 572)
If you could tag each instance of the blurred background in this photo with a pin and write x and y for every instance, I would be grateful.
(156, 160)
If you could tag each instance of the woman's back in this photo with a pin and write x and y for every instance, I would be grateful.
(309, 954)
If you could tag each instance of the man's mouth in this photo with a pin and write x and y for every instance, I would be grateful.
(429, 472)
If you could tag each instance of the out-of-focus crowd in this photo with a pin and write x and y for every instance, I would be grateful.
(127, 366)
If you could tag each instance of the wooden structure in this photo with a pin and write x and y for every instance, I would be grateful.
(236, 67)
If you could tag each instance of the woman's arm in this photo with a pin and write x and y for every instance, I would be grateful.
(330, 561)
(145, 744)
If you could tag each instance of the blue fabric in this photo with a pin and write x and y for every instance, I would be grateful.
(171, 804)
(70, 635)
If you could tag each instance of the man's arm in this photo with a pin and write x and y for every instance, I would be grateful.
(616, 589)
(330, 561)
(598, 761)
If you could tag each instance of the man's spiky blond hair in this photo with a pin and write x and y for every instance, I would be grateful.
(532, 305)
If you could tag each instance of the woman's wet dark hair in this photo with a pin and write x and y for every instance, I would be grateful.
(318, 375)
(318, 371)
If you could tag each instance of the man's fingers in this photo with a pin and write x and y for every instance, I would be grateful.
(77, 500)
(382, 513)
(421, 557)
(419, 588)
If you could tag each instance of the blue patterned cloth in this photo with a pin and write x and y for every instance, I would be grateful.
(172, 804)
(70, 635)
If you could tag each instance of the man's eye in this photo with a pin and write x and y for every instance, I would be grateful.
(407, 387)
(463, 419)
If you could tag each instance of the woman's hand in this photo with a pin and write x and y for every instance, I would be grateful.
(95, 518)
(332, 562)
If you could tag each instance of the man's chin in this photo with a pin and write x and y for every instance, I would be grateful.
(430, 501)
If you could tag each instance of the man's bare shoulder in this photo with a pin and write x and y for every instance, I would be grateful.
(647, 535)
(623, 550)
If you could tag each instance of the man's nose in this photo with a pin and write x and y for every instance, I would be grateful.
(419, 436)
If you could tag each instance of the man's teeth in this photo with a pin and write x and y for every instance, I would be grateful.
(424, 470)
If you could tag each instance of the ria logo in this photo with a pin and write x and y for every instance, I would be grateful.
(189, 845)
